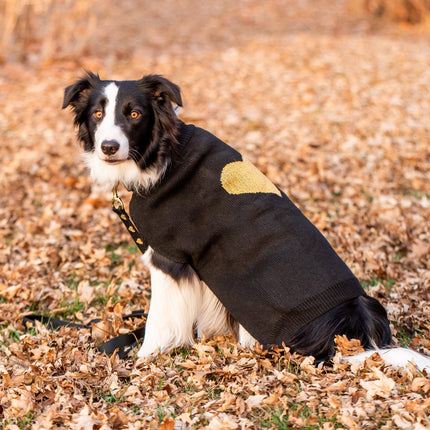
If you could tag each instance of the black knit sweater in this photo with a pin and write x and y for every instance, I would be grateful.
(263, 259)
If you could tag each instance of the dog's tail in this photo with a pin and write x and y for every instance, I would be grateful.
(396, 357)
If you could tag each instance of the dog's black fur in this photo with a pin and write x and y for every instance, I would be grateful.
(362, 318)
(152, 144)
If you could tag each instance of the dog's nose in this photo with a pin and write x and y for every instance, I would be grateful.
(109, 147)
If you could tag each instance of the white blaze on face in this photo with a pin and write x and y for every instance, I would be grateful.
(108, 130)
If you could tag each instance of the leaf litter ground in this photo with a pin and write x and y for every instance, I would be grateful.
(335, 114)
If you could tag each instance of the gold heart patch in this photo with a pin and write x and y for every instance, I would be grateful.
(242, 177)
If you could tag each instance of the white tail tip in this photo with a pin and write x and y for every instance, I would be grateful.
(397, 357)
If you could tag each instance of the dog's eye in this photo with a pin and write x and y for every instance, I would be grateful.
(98, 114)
(134, 114)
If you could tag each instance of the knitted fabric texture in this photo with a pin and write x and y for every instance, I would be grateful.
(263, 259)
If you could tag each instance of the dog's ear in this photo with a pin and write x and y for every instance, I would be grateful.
(161, 89)
(73, 92)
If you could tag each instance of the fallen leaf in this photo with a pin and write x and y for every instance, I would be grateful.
(348, 346)
(381, 386)
(84, 420)
(167, 424)
(255, 401)
(421, 384)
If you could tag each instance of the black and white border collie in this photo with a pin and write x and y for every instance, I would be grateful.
(129, 134)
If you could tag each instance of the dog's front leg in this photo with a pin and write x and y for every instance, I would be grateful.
(173, 309)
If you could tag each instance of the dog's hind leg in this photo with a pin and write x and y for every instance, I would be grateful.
(213, 318)
(245, 338)
(175, 300)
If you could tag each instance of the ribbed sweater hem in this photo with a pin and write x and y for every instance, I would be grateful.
(290, 323)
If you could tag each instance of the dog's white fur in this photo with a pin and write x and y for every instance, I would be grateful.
(126, 173)
(179, 310)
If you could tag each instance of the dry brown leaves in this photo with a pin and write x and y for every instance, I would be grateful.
(336, 116)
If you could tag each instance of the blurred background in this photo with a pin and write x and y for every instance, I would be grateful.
(44, 30)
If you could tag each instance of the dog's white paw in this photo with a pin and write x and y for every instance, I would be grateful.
(153, 345)
(145, 351)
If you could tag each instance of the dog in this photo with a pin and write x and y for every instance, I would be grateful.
(228, 251)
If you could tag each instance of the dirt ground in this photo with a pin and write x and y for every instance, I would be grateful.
(332, 106)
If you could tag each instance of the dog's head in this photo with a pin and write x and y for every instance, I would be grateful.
(124, 121)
